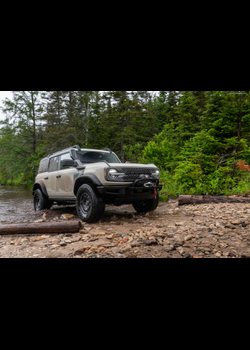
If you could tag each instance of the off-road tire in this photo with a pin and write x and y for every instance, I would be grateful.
(144, 207)
(40, 201)
(90, 207)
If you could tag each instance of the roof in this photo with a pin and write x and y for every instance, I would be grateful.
(73, 147)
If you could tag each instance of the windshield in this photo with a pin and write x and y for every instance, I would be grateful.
(94, 157)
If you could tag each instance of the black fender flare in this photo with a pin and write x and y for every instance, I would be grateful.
(86, 179)
(41, 186)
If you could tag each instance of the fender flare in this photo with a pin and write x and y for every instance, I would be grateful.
(41, 186)
(86, 179)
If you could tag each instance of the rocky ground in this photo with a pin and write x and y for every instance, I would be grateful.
(201, 231)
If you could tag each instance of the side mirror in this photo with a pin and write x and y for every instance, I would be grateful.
(68, 163)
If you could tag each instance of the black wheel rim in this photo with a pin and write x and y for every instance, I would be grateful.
(85, 204)
(37, 202)
(142, 204)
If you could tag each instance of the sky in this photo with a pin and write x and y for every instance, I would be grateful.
(3, 95)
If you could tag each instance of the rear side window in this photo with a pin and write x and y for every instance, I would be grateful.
(53, 164)
(43, 166)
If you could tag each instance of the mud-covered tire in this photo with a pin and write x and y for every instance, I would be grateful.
(143, 207)
(40, 201)
(90, 207)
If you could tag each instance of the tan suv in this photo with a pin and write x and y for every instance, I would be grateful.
(92, 178)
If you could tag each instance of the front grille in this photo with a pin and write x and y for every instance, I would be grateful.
(133, 174)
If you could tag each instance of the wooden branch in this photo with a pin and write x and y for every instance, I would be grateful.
(185, 200)
(44, 228)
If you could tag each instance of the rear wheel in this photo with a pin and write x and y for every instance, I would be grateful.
(90, 207)
(40, 201)
(143, 207)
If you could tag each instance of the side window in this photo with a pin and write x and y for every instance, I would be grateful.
(43, 166)
(63, 157)
(53, 164)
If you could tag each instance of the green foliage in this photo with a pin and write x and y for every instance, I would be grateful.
(196, 138)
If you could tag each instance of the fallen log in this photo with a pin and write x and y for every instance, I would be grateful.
(45, 227)
(185, 200)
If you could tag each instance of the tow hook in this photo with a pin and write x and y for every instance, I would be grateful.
(149, 184)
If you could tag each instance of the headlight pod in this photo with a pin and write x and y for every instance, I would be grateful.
(113, 174)
(157, 174)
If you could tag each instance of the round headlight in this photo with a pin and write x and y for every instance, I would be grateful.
(157, 174)
(112, 173)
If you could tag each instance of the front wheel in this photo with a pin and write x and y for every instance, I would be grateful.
(143, 207)
(90, 207)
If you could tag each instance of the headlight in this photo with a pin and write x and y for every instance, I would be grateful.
(113, 173)
(157, 174)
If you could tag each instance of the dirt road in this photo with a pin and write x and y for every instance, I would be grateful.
(201, 231)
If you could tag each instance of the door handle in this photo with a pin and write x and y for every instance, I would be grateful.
(58, 177)
(46, 178)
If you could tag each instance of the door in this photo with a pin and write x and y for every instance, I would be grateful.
(66, 179)
(51, 177)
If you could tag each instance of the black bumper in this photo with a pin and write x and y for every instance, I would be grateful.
(127, 194)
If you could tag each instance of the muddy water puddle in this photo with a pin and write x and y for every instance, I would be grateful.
(16, 204)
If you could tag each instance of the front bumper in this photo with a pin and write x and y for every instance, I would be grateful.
(128, 194)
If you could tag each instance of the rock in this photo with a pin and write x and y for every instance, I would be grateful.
(93, 239)
(217, 254)
(218, 233)
(244, 225)
(187, 256)
(68, 235)
(150, 242)
(230, 226)
(96, 234)
(196, 257)
(169, 249)
(38, 221)
(68, 241)
(188, 237)
(63, 244)
(110, 236)
(83, 231)
(179, 224)
(236, 222)
(181, 251)
(38, 239)
(67, 216)
(35, 255)
(79, 252)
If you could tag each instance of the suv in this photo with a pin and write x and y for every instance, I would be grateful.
(92, 178)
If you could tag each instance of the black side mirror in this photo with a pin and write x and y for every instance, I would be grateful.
(68, 163)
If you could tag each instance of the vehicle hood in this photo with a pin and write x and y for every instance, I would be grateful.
(132, 165)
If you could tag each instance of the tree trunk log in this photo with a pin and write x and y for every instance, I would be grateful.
(44, 228)
(184, 200)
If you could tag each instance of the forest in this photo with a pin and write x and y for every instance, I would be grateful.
(200, 140)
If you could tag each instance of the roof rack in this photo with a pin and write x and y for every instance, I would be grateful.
(107, 149)
(66, 149)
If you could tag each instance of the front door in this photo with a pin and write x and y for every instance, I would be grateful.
(66, 179)
(51, 177)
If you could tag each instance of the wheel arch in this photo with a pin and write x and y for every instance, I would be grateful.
(40, 186)
(86, 179)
